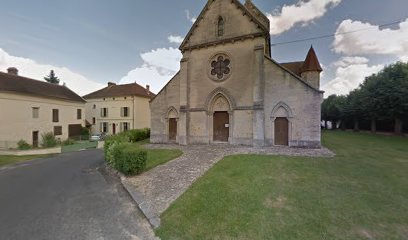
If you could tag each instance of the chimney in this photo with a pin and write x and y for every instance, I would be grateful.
(12, 71)
(111, 84)
(148, 88)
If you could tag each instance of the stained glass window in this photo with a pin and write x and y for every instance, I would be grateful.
(220, 67)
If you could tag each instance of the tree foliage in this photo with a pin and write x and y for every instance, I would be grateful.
(382, 96)
(52, 78)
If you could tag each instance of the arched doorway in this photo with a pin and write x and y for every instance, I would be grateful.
(281, 131)
(172, 119)
(281, 117)
(221, 126)
(220, 113)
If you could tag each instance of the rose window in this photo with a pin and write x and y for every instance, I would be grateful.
(220, 67)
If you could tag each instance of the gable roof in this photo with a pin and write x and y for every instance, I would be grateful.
(167, 84)
(293, 74)
(18, 84)
(113, 90)
(206, 8)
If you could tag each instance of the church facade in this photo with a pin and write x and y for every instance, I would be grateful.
(230, 90)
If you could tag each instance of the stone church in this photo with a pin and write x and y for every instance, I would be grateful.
(230, 90)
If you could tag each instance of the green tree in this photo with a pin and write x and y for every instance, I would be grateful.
(332, 109)
(52, 78)
(385, 95)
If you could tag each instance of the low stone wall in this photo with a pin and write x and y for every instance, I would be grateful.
(45, 151)
(100, 144)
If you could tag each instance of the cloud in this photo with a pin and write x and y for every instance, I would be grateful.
(175, 39)
(372, 41)
(303, 12)
(189, 17)
(30, 68)
(158, 67)
(351, 71)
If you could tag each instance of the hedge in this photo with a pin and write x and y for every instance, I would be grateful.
(124, 156)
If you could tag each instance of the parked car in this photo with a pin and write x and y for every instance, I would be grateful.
(97, 137)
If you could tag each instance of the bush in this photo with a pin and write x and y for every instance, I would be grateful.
(128, 159)
(85, 131)
(124, 156)
(69, 141)
(23, 145)
(137, 135)
(49, 140)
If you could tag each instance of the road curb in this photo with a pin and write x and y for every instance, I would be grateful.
(138, 198)
(143, 205)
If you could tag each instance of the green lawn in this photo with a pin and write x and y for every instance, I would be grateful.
(6, 160)
(362, 193)
(80, 145)
(157, 157)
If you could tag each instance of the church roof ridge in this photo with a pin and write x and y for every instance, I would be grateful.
(205, 9)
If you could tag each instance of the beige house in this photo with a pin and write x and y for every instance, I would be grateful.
(118, 108)
(230, 90)
(30, 108)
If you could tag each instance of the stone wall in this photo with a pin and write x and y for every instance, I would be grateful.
(303, 102)
(161, 106)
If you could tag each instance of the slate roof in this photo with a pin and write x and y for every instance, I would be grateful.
(112, 90)
(18, 84)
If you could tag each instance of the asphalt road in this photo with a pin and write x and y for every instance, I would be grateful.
(70, 196)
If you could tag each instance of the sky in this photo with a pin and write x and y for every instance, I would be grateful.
(91, 42)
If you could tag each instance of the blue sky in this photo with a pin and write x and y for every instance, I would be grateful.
(128, 40)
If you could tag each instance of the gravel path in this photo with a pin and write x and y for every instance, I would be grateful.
(156, 189)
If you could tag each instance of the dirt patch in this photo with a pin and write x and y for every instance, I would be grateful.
(278, 203)
(366, 234)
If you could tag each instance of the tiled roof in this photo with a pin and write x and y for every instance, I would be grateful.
(112, 90)
(294, 67)
(18, 84)
(311, 62)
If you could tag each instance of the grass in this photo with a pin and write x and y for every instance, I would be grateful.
(156, 157)
(79, 146)
(362, 193)
(7, 160)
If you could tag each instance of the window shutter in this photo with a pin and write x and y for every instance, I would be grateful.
(101, 127)
(101, 112)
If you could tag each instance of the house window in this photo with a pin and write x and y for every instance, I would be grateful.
(104, 112)
(93, 121)
(55, 115)
(124, 126)
(94, 106)
(125, 112)
(57, 131)
(104, 127)
(79, 113)
(36, 112)
(220, 27)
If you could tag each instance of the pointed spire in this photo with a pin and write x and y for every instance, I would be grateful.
(311, 63)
